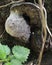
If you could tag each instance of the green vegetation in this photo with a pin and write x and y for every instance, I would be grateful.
(17, 56)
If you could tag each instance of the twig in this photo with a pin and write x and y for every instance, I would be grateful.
(12, 2)
(43, 2)
(43, 21)
(2, 34)
(35, 1)
(45, 17)
(6, 5)
(46, 22)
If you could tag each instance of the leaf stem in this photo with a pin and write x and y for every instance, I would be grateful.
(5, 60)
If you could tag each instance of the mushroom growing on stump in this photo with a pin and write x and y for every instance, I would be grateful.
(23, 20)
(17, 27)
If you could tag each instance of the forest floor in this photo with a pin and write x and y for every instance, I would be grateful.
(47, 56)
(46, 60)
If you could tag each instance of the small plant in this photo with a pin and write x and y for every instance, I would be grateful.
(17, 56)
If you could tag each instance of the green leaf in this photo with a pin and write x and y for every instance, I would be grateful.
(15, 62)
(8, 63)
(2, 54)
(10, 57)
(21, 53)
(4, 51)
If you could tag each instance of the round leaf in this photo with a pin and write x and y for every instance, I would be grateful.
(4, 51)
(15, 62)
(21, 53)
